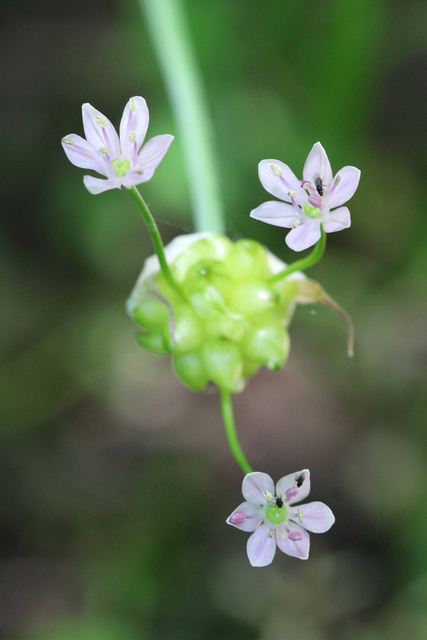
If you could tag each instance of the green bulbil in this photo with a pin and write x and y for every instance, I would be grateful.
(231, 320)
(205, 273)
(253, 298)
(247, 261)
(154, 342)
(188, 330)
(152, 315)
(267, 343)
(191, 369)
(223, 364)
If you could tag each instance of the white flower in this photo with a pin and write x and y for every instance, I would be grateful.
(270, 514)
(123, 161)
(313, 201)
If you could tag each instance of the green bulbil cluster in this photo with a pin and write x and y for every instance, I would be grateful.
(230, 320)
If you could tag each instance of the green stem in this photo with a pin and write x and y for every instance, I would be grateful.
(156, 239)
(304, 263)
(230, 430)
(172, 40)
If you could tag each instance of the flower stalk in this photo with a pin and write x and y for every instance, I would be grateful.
(303, 264)
(156, 240)
(231, 433)
(171, 37)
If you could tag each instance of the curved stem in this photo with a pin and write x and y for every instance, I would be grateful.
(156, 239)
(171, 37)
(304, 263)
(230, 431)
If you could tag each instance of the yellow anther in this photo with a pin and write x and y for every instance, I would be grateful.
(132, 104)
(104, 150)
(276, 170)
(132, 136)
(267, 495)
(101, 121)
(270, 534)
(69, 141)
(292, 194)
(296, 224)
(284, 535)
(300, 516)
(337, 180)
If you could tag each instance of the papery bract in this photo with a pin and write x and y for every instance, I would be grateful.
(122, 160)
(269, 514)
(314, 201)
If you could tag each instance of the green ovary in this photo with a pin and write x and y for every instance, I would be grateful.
(275, 514)
(121, 166)
(312, 212)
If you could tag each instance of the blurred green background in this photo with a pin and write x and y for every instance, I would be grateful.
(115, 481)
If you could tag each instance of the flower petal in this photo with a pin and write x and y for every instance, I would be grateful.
(250, 524)
(280, 185)
(261, 546)
(99, 131)
(298, 549)
(314, 516)
(82, 154)
(152, 154)
(134, 123)
(318, 165)
(301, 478)
(349, 181)
(277, 213)
(304, 236)
(96, 185)
(336, 220)
(255, 486)
(132, 178)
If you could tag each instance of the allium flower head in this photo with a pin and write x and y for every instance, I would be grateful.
(232, 321)
(270, 513)
(122, 160)
(314, 201)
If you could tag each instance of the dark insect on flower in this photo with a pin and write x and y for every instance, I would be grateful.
(319, 185)
(299, 480)
(279, 503)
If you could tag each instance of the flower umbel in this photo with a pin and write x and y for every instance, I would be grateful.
(269, 513)
(314, 201)
(122, 160)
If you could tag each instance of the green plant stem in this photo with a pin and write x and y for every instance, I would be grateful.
(304, 263)
(156, 239)
(171, 36)
(230, 430)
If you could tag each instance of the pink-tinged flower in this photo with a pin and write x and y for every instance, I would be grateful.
(270, 514)
(314, 201)
(122, 160)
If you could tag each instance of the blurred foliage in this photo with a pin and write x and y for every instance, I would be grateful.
(115, 480)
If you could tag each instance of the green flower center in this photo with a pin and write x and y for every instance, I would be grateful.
(312, 212)
(276, 514)
(121, 166)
